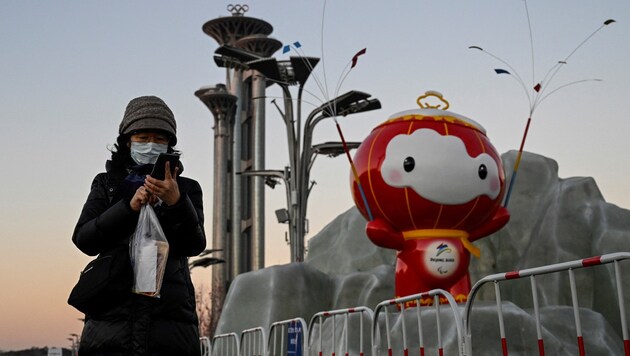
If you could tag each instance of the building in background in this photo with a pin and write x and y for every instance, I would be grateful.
(238, 107)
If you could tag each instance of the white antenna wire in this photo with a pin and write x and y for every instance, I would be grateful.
(539, 89)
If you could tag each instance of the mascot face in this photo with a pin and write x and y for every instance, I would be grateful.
(438, 168)
(429, 169)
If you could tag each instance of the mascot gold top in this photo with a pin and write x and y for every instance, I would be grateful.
(429, 182)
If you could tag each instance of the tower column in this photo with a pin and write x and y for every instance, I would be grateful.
(235, 261)
(223, 106)
(258, 192)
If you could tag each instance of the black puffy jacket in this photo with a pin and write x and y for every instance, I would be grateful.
(142, 325)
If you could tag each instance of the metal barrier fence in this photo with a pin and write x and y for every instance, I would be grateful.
(291, 333)
(416, 302)
(205, 345)
(226, 345)
(532, 273)
(292, 337)
(253, 342)
(326, 321)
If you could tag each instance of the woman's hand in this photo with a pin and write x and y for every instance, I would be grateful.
(141, 197)
(166, 189)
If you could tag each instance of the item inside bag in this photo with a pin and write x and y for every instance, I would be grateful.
(149, 253)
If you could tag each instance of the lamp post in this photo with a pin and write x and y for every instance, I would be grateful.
(288, 213)
(351, 102)
(294, 71)
(296, 177)
(301, 155)
(331, 149)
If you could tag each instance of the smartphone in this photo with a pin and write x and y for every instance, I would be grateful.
(158, 170)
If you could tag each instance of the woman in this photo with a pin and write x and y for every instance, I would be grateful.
(137, 324)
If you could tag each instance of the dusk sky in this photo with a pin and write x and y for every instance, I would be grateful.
(68, 68)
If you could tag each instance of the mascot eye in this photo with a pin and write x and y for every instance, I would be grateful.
(409, 164)
(483, 171)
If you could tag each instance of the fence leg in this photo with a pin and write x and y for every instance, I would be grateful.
(622, 310)
(333, 335)
(420, 338)
(346, 332)
(404, 329)
(387, 330)
(576, 313)
(436, 301)
(497, 293)
(541, 345)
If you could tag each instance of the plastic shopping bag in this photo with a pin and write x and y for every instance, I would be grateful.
(149, 252)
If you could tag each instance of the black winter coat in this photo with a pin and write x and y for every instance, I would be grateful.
(143, 325)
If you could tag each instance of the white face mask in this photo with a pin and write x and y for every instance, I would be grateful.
(147, 152)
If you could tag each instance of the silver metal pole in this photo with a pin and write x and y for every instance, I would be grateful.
(497, 293)
(258, 191)
(320, 334)
(235, 253)
(436, 301)
(387, 331)
(541, 347)
(294, 158)
(303, 182)
(622, 307)
(420, 338)
(404, 328)
(576, 311)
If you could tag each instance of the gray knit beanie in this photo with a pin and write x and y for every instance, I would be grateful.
(148, 113)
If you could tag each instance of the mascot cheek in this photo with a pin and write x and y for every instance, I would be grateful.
(495, 185)
(395, 177)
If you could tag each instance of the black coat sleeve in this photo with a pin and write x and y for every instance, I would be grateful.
(182, 223)
(103, 225)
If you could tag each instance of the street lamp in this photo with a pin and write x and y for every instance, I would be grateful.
(301, 155)
(285, 73)
(330, 149)
(204, 260)
(294, 71)
(334, 149)
(351, 102)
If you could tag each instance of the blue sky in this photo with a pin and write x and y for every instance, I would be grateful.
(68, 69)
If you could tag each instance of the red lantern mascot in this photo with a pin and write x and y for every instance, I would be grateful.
(433, 183)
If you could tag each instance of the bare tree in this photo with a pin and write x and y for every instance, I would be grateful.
(208, 299)
(203, 298)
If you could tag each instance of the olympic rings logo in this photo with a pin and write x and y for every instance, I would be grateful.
(237, 9)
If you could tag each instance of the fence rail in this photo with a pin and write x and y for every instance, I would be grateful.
(296, 334)
(319, 318)
(205, 345)
(568, 267)
(226, 345)
(402, 304)
(253, 342)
